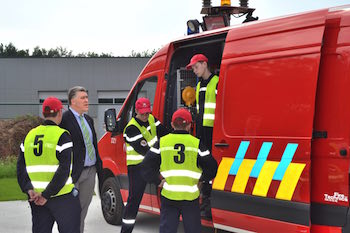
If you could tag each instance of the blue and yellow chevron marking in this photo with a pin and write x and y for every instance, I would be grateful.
(264, 180)
(222, 174)
(242, 176)
(285, 161)
(262, 156)
(242, 149)
(264, 170)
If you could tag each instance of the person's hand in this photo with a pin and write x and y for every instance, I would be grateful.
(33, 196)
(161, 183)
(41, 200)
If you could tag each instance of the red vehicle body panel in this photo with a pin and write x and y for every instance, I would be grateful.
(237, 222)
(282, 109)
(333, 90)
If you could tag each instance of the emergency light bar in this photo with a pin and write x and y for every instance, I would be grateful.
(218, 17)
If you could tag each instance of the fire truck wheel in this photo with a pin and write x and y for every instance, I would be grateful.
(111, 201)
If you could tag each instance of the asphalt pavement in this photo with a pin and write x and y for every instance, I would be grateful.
(15, 217)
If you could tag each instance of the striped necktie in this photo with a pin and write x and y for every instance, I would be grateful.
(87, 139)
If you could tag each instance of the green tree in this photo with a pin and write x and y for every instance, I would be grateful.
(11, 51)
(1, 49)
(81, 55)
(23, 53)
(145, 53)
(53, 53)
(92, 54)
(37, 52)
(63, 52)
(106, 55)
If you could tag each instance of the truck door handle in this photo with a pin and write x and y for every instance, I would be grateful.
(343, 152)
(221, 144)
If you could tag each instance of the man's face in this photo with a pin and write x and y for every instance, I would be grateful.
(80, 102)
(199, 68)
(143, 117)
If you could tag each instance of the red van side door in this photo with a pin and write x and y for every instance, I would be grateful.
(263, 124)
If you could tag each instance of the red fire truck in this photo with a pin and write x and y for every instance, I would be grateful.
(282, 123)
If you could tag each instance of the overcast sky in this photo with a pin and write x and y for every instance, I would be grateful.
(118, 27)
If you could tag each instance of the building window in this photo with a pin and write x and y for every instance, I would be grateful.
(111, 100)
(105, 101)
(64, 101)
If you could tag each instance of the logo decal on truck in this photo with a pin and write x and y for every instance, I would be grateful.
(285, 172)
(335, 197)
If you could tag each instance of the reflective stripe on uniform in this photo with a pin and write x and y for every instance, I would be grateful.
(134, 157)
(135, 138)
(128, 221)
(208, 116)
(156, 124)
(151, 143)
(154, 150)
(180, 188)
(22, 147)
(210, 105)
(203, 89)
(172, 149)
(64, 146)
(41, 168)
(203, 153)
(187, 173)
(43, 184)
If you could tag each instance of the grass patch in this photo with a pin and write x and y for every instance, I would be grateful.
(10, 190)
(8, 167)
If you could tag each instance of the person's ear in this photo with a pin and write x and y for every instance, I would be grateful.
(188, 128)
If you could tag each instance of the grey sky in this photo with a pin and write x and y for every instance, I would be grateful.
(118, 26)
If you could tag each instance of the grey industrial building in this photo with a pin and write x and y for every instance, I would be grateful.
(26, 82)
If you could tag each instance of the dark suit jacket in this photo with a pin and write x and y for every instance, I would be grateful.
(70, 123)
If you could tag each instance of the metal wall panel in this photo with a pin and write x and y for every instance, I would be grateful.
(22, 79)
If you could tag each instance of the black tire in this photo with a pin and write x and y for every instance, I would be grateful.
(111, 201)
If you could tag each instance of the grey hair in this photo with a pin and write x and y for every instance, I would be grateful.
(73, 92)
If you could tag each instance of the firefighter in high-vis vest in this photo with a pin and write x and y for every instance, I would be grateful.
(206, 102)
(43, 173)
(140, 134)
(182, 161)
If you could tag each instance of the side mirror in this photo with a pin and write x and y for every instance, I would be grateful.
(112, 125)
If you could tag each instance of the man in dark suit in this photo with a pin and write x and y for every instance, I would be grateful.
(86, 159)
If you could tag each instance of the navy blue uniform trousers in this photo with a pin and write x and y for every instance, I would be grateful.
(65, 210)
(137, 187)
(170, 216)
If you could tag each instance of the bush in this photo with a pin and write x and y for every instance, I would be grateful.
(13, 132)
